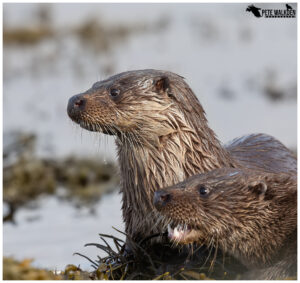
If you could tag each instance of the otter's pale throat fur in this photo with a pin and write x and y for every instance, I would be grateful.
(162, 138)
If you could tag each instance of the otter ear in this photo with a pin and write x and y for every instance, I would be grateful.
(259, 188)
(162, 84)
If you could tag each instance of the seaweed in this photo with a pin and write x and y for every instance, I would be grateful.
(26, 177)
(23, 270)
(158, 261)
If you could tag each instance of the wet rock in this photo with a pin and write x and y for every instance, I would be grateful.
(17, 145)
(277, 91)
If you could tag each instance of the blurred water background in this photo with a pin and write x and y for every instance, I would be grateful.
(243, 70)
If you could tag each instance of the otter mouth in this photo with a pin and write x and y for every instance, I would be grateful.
(179, 232)
(89, 125)
(97, 128)
(182, 233)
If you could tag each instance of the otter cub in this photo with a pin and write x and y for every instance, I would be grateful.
(250, 215)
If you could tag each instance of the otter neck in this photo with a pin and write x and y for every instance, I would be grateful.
(148, 167)
(252, 254)
(264, 246)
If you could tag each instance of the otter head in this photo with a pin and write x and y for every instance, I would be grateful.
(238, 210)
(144, 105)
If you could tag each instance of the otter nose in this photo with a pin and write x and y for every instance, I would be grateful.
(160, 199)
(79, 102)
(76, 103)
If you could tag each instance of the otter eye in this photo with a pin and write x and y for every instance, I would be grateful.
(203, 190)
(114, 92)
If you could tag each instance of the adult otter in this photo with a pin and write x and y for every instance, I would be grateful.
(162, 138)
(248, 214)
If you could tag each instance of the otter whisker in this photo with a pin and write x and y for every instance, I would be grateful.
(216, 245)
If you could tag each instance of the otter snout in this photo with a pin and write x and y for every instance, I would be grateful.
(161, 198)
(76, 105)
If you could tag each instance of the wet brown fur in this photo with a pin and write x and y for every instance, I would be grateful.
(162, 137)
(250, 215)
